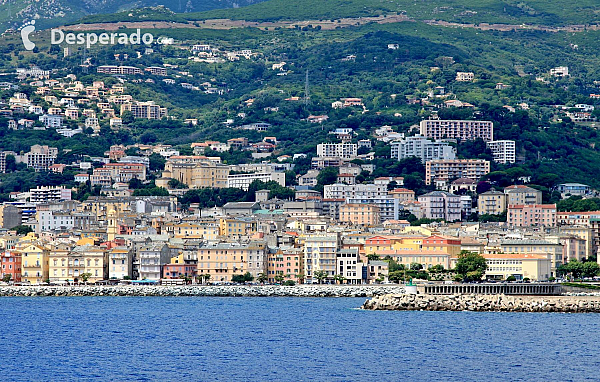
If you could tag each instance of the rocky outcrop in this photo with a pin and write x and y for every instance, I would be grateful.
(485, 303)
(198, 290)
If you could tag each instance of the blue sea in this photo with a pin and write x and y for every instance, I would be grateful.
(285, 339)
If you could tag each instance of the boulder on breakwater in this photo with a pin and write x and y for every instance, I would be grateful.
(485, 303)
(204, 290)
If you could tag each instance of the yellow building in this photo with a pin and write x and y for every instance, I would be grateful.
(491, 203)
(69, 263)
(397, 243)
(449, 245)
(222, 261)
(420, 230)
(235, 227)
(58, 263)
(528, 265)
(202, 174)
(206, 231)
(426, 258)
(34, 263)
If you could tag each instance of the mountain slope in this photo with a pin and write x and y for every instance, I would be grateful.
(57, 12)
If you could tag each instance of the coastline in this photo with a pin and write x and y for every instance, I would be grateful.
(486, 303)
(203, 291)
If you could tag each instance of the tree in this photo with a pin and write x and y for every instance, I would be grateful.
(22, 229)
(339, 278)
(262, 277)
(157, 162)
(85, 277)
(6, 278)
(300, 277)
(328, 175)
(207, 277)
(511, 278)
(373, 257)
(320, 276)
(279, 278)
(416, 266)
(471, 266)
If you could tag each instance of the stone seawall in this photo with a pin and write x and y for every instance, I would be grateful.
(485, 303)
(198, 290)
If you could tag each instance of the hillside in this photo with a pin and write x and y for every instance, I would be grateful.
(51, 13)
(541, 12)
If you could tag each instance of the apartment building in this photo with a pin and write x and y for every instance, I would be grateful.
(465, 76)
(441, 205)
(149, 261)
(122, 70)
(223, 260)
(504, 151)
(402, 194)
(34, 264)
(10, 265)
(339, 150)
(529, 246)
(540, 215)
(491, 203)
(144, 110)
(287, 262)
(40, 158)
(457, 129)
(349, 266)
(202, 174)
(519, 194)
(422, 148)
(320, 255)
(119, 172)
(120, 263)
(360, 214)
(46, 194)
(445, 170)
(243, 181)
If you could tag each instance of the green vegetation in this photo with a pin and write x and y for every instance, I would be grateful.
(470, 266)
(577, 269)
(582, 285)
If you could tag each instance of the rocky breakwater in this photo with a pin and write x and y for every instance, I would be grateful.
(485, 303)
(199, 290)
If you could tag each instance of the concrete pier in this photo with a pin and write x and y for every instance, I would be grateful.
(525, 289)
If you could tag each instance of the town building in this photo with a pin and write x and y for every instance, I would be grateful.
(504, 151)
(439, 129)
(540, 215)
(360, 214)
(491, 203)
(447, 169)
(340, 150)
(441, 205)
(422, 148)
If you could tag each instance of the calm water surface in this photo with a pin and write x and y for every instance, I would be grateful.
(285, 339)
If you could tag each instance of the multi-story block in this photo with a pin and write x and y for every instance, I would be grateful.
(149, 259)
(441, 205)
(243, 181)
(519, 194)
(34, 264)
(421, 147)
(10, 266)
(202, 174)
(46, 194)
(223, 261)
(340, 150)
(349, 266)
(491, 203)
(540, 215)
(145, 110)
(287, 262)
(120, 263)
(445, 170)
(504, 151)
(455, 129)
(41, 158)
(543, 247)
(360, 214)
(320, 255)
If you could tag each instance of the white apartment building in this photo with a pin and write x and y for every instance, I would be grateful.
(504, 151)
(456, 129)
(145, 110)
(348, 264)
(340, 150)
(421, 147)
(41, 157)
(46, 194)
(243, 181)
(465, 76)
(120, 262)
(54, 220)
(376, 194)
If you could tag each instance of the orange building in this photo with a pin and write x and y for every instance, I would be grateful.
(10, 264)
(360, 214)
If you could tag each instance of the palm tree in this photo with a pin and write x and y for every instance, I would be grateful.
(279, 278)
(320, 275)
(300, 278)
(207, 278)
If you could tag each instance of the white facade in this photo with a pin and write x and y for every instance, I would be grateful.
(49, 194)
(243, 181)
(504, 151)
(421, 147)
(457, 129)
(340, 150)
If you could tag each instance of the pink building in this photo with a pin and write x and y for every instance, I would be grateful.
(10, 264)
(542, 215)
(173, 271)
